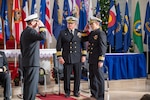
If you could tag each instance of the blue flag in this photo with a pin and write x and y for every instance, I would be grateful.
(126, 30)
(34, 7)
(66, 13)
(111, 24)
(98, 15)
(4, 14)
(42, 14)
(83, 17)
(147, 20)
(56, 19)
(147, 26)
(42, 10)
(145, 40)
(118, 33)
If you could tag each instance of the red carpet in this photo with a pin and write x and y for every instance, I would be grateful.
(55, 97)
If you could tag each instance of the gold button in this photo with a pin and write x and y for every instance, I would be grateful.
(70, 42)
(75, 47)
(70, 47)
(70, 51)
(75, 51)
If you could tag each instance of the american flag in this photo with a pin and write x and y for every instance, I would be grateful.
(48, 22)
(24, 12)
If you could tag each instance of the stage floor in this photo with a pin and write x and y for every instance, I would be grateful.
(129, 89)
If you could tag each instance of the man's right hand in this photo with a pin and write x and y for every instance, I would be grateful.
(40, 23)
(61, 60)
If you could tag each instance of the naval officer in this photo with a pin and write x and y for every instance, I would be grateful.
(30, 46)
(96, 50)
(71, 51)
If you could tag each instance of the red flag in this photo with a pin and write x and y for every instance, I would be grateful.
(1, 34)
(24, 12)
(47, 21)
(16, 20)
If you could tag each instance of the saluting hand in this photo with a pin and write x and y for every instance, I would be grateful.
(40, 23)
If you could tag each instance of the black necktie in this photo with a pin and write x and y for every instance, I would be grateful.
(72, 32)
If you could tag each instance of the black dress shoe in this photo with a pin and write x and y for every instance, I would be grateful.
(76, 94)
(67, 95)
(6, 98)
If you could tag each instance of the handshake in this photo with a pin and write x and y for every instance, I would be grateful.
(3, 69)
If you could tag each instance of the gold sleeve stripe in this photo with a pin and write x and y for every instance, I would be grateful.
(42, 29)
(101, 58)
(84, 34)
(59, 53)
(84, 52)
(92, 21)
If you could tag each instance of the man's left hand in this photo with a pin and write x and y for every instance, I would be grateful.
(83, 59)
(100, 64)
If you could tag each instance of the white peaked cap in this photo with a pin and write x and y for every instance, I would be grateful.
(92, 19)
(71, 19)
(31, 17)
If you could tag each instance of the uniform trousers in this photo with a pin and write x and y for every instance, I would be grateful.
(68, 68)
(97, 83)
(6, 81)
(31, 78)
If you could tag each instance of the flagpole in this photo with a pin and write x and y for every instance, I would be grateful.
(147, 58)
(114, 42)
(43, 46)
(109, 48)
(3, 28)
(4, 41)
(15, 56)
